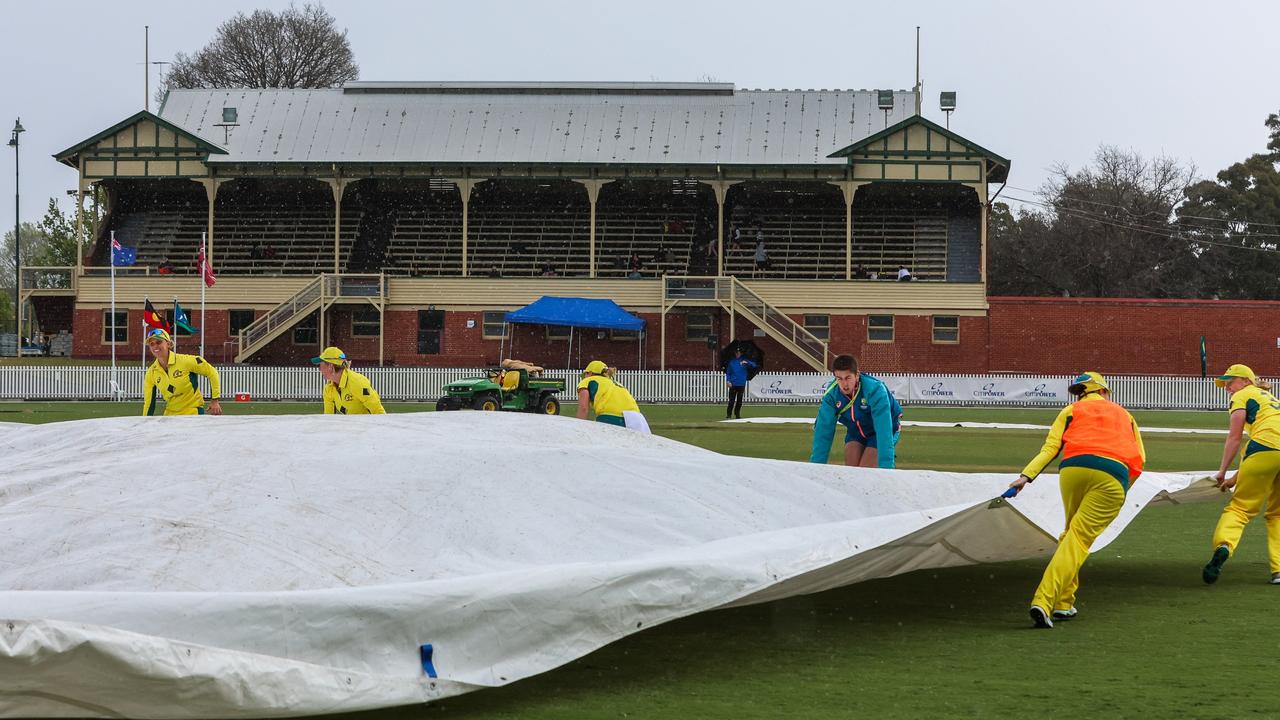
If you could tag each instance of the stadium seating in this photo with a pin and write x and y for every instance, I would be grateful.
(809, 243)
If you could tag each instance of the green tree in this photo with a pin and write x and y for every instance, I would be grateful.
(1103, 231)
(1235, 223)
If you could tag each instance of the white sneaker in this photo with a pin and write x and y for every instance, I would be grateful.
(1275, 578)
(1040, 617)
(1065, 614)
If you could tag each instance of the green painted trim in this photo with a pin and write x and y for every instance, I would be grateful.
(919, 153)
(67, 156)
(912, 121)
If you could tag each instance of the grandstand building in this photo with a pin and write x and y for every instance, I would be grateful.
(401, 220)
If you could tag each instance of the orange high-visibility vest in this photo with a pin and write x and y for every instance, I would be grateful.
(1101, 427)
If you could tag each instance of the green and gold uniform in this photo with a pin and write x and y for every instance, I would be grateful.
(352, 395)
(1258, 481)
(608, 399)
(178, 385)
(1102, 453)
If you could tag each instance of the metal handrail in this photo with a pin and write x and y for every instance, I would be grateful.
(729, 290)
(326, 285)
(31, 275)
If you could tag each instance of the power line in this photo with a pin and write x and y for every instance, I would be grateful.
(1193, 226)
(1103, 220)
(1180, 215)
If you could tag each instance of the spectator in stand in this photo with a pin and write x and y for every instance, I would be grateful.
(860, 273)
(735, 237)
(494, 272)
(762, 255)
(255, 252)
(269, 252)
(634, 266)
(165, 267)
(549, 270)
(735, 376)
(904, 275)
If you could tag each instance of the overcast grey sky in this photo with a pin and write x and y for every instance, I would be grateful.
(1040, 85)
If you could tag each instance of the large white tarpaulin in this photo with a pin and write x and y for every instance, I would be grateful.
(269, 566)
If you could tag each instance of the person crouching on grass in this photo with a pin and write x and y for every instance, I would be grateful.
(866, 408)
(173, 377)
(611, 402)
(1102, 455)
(1255, 409)
(346, 392)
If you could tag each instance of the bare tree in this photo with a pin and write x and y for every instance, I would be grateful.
(296, 48)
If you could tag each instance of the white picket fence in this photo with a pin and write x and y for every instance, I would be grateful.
(649, 386)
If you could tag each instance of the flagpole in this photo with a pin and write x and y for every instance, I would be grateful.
(115, 387)
(204, 259)
(146, 299)
(174, 324)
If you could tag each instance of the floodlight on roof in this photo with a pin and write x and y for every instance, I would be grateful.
(884, 99)
(947, 103)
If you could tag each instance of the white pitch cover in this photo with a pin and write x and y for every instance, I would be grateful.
(238, 566)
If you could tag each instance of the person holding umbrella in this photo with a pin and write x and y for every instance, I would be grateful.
(1102, 454)
(736, 373)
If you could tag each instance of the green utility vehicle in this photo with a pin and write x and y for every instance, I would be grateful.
(513, 389)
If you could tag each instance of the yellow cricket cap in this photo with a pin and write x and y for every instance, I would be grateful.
(158, 334)
(595, 367)
(1088, 382)
(330, 355)
(1235, 371)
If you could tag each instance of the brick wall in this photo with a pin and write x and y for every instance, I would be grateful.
(1147, 337)
(1045, 335)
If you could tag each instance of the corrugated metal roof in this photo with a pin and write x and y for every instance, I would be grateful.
(532, 123)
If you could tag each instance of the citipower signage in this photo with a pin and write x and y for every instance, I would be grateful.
(931, 389)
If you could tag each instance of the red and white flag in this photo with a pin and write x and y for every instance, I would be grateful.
(115, 244)
(206, 270)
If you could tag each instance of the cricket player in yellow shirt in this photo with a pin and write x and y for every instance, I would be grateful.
(346, 392)
(1256, 411)
(612, 403)
(1102, 454)
(173, 377)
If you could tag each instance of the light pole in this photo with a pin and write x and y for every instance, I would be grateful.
(17, 241)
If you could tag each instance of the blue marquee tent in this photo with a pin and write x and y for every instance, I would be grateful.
(576, 312)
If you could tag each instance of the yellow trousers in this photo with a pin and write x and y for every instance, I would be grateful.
(1259, 478)
(1092, 499)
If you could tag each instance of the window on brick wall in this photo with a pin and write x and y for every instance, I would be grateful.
(238, 320)
(880, 328)
(624, 335)
(698, 326)
(307, 331)
(365, 322)
(115, 328)
(819, 325)
(946, 329)
(557, 332)
(494, 326)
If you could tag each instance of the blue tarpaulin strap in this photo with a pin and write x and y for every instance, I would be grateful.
(427, 667)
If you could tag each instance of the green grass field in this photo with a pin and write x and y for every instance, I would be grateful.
(1151, 640)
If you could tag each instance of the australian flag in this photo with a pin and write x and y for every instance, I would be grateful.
(122, 256)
